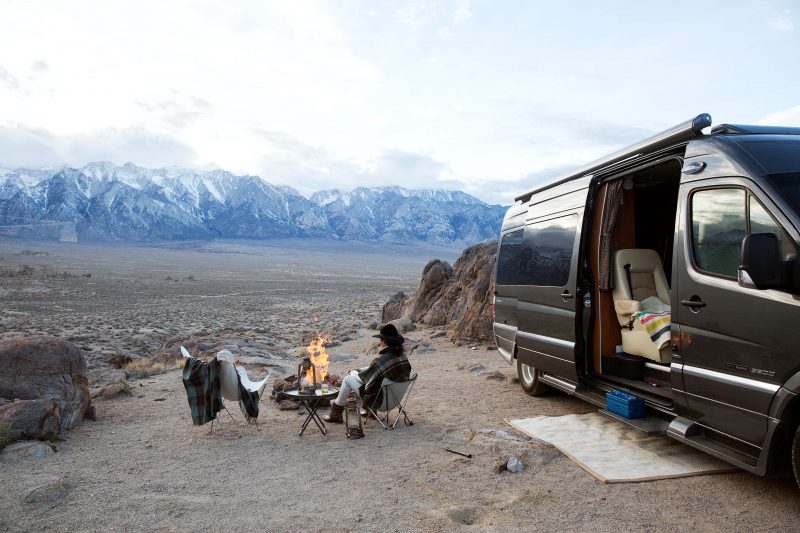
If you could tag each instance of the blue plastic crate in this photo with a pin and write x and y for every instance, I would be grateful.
(625, 404)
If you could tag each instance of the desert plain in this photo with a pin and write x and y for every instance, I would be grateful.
(141, 465)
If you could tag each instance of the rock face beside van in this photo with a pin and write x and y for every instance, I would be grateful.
(669, 270)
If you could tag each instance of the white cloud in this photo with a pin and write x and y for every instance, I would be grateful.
(784, 117)
(783, 21)
(22, 146)
(462, 13)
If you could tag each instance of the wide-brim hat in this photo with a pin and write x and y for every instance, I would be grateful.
(390, 334)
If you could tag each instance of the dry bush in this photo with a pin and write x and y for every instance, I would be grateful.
(144, 368)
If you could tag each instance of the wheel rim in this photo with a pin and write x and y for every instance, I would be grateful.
(526, 373)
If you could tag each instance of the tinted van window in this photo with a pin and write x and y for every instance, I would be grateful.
(509, 265)
(547, 251)
(718, 227)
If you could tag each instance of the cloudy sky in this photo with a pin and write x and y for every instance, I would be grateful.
(488, 97)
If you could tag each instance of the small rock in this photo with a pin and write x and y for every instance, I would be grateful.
(491, 347)
(49, 491)
(288, 405)
(373, 325)
(337, 357)
(477, 367)
(119, 360)
(500, 467)
(438, 334)
(496, 375)
(514, 465)
(425, 349)
(205, 346)
(403, 324)
(112, 390)
(27, 449)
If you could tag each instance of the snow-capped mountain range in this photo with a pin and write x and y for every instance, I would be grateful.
(103, 201)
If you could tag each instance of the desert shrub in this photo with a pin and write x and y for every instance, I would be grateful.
(144, 368)
(5, 437)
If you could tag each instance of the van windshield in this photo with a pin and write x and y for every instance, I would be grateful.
(780, 157)
(788, 184)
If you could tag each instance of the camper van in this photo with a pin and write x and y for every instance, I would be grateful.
(670, 271)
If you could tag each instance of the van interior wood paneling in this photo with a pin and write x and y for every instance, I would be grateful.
(594, 262)
(606, 334)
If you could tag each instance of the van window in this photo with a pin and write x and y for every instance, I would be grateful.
(509, 269)
(718, 226)
(547, 251)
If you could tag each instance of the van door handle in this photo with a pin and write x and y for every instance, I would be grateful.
(694, 304)
(566, 295)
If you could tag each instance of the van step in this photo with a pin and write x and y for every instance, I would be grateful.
(649, 425)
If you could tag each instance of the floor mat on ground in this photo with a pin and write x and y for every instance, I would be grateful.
(615, 453)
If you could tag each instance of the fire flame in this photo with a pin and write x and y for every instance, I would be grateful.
(319, 358)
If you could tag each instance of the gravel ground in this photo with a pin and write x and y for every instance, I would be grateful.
(143, 466)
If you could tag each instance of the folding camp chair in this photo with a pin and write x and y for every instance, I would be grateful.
(230, 375)
(392, 395)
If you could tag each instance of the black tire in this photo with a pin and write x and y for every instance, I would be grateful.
(529, 379)
(796, 456)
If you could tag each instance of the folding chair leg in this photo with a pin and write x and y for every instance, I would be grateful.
(225, 433)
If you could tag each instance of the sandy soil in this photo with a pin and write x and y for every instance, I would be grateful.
(143, 466)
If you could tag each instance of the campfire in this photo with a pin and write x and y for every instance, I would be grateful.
(312, 371)
(318, 372)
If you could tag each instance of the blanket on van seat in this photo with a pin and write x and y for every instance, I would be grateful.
(657, 325)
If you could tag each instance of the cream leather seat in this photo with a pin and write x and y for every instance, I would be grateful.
(647, 279)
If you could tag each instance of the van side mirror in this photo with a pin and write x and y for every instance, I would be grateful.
(761, 262)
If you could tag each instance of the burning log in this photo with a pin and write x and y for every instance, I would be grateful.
(317, 373)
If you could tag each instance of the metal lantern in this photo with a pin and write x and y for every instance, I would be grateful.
(352, 419)
(302, 371)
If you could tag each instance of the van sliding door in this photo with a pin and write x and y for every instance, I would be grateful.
(548, 299)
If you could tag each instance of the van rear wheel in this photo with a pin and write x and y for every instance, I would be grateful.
(795, 454)
(529, 379)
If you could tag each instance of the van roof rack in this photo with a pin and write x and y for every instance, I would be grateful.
(740, 129)
(683, 132)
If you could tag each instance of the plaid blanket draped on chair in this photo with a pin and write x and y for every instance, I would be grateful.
(203, 390)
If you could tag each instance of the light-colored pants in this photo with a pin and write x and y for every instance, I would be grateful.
(350, 383)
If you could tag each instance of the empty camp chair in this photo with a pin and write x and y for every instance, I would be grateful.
(392, 395)
(230, 377)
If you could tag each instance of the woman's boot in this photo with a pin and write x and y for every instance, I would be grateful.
(335, 415)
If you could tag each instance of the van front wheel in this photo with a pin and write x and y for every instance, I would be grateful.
(529, 379)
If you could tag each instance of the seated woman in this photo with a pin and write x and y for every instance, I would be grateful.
(390, 364)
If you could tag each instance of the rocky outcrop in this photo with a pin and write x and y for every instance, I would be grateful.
(43, 387)
(458, 297)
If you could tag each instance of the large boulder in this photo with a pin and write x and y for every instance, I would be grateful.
(44, 387)
(458, 297)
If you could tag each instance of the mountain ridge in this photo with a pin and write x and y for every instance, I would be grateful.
(103, 201)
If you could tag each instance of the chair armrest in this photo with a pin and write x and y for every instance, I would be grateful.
(627, 307)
